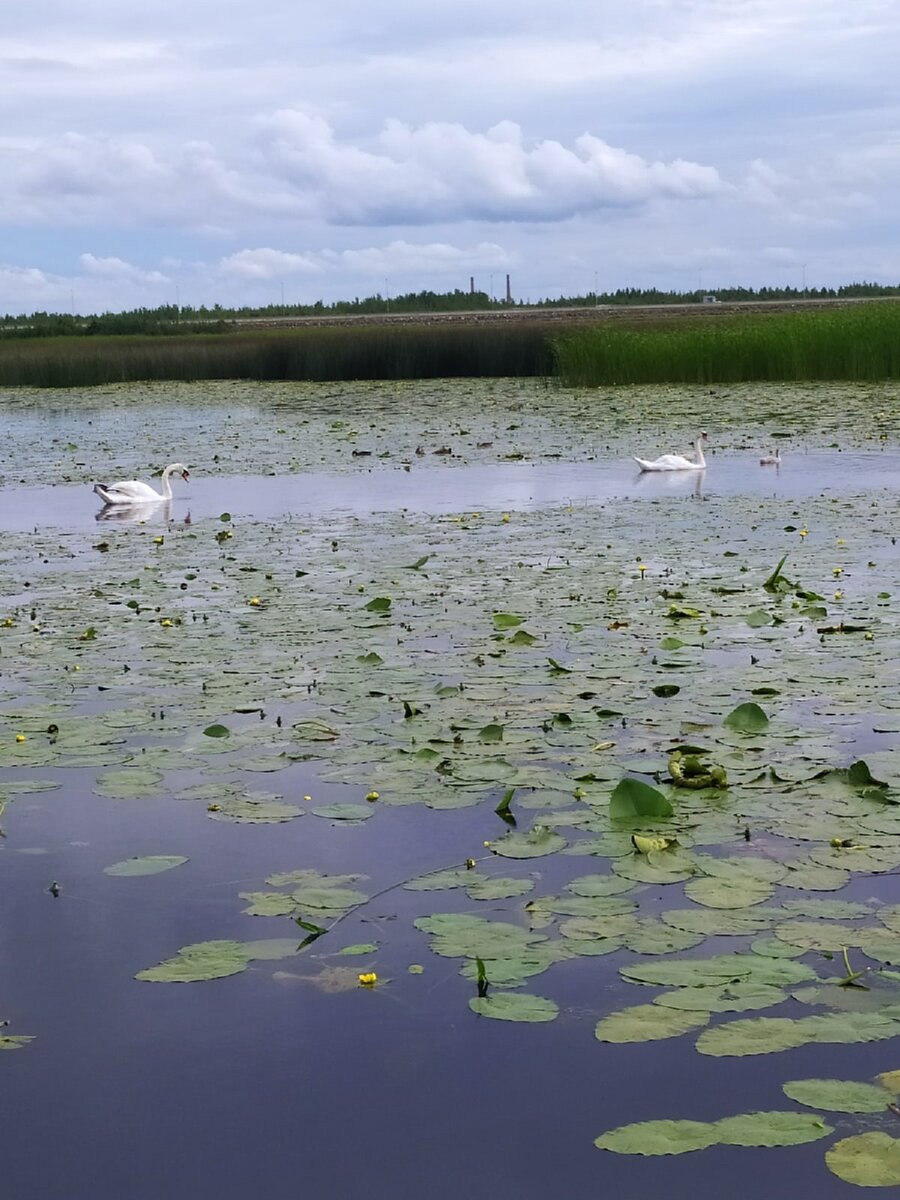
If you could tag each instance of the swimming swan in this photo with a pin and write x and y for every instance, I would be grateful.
(771, 460)
(134, 491)
(677, 462)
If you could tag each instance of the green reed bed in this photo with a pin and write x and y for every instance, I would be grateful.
(856, 343)
(345, 352)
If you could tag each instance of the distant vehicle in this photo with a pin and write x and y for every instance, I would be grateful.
(710, 299)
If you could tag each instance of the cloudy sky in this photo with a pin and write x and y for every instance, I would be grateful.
(195, 152)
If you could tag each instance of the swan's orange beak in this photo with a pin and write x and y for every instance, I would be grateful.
(185, 475)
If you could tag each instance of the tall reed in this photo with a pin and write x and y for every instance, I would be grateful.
(847, 343)
(344, 352)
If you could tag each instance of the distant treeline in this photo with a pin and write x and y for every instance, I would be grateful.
(171, 319)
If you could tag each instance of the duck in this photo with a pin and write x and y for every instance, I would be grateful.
(771, 460)
(135, 491)
(677, 462)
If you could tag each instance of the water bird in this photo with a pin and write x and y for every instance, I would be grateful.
(677, 462)
(135, 491)
(771, 460)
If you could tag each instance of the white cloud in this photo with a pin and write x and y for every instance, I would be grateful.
(266, 263)
(443, 172)
(117, 268)
(429, 258)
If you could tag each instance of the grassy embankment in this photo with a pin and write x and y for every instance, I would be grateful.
(851, 343)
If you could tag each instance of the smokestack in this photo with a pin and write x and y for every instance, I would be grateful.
(472, 284)
(508, 292)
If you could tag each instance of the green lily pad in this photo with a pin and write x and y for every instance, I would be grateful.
(513, 1006)
(868, 1160)
(537, 842)
(149, 864)
(647, 1023)
(747, 718)
(631, 798)
(838, 1095)
(658, 1137)
(200, 961)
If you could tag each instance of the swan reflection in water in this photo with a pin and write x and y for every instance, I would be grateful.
(158, 513)
(669, 482)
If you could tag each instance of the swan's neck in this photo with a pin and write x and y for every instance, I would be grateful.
(167, 484)
(698, 446)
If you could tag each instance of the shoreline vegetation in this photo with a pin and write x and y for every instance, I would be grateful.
(582, 343)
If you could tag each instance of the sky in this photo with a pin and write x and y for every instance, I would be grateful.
(195, 152)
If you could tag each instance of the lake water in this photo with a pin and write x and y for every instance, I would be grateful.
(447, 489)
(290, 1077)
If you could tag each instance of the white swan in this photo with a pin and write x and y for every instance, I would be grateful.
(677, 462)
(134, 491)
(771, 460)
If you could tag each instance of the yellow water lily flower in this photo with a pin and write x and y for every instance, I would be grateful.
(368, 978)
(20, 737)
(505, 518)
(804, 533)
(158, 541)
(254, 601)
(371, 795)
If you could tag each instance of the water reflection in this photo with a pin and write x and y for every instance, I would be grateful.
(157, 510)
(671, 482)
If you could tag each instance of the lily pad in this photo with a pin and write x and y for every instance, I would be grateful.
(200, 961)
(513, 1006)
(838, 1095)
(149, 864)
(868, 1160)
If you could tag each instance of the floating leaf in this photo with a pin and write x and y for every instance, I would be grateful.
(747, 718)
(633, 798)
(202, 960)
(837, 1095)
(491, 733)
(647, 1023)
(510, 1006)
(658, 1137)
(505, 620)
(217, 731)
(868, 1160)
(680, 1137)
(149, 864)
(534, 843)
(15, 1041)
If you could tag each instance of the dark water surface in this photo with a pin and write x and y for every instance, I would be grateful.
(263, 1084)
